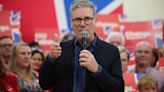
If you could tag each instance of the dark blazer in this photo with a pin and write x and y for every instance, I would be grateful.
(59, 72)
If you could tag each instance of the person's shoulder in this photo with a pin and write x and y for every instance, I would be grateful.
(156, 72)
(158, 75)
(10, 75)
(106, 44)
(67, 42)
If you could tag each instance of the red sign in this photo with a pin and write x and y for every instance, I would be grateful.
(45, 37)
(130, 81)
(160, 65)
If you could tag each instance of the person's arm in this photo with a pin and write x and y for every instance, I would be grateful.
(1, 88)
(111, 80)
(46, 73)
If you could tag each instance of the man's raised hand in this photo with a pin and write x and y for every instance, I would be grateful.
(55, 49)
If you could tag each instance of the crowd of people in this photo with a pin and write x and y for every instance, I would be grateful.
(103, 66)
(145, 64)
(20, 64)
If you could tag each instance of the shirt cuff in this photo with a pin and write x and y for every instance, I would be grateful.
(50, 58)
(96, 74)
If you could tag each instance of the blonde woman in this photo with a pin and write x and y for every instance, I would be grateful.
(124, 56)
(21, 65)
(148, 83)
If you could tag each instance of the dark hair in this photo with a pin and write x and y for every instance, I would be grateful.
(38, 51)
(33, 44)
(156, 57)
(68, 36)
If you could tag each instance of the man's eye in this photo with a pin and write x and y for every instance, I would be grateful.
(78, 19)
(88, 18)
(139, 51)
(147, 52)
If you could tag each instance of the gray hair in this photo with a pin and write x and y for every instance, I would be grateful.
(82, 3)
(143, 43)
(118, 34)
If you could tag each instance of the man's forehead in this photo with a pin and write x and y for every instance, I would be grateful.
(144, 48)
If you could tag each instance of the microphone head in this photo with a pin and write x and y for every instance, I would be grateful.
(84, 34)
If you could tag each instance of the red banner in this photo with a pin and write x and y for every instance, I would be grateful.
(45, 37)
(10, 24)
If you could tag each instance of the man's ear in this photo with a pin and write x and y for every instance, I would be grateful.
(95, 18)
(71, 23)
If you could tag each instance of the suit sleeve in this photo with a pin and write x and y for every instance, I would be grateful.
(112, 80)
(46, 73)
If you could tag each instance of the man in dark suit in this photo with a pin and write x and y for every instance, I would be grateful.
(71, 68)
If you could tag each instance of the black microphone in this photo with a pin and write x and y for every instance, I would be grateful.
(84, 35)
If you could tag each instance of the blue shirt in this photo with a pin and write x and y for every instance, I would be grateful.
(79, 77)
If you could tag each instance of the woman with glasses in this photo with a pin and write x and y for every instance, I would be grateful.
(6, 43)
(8, 80)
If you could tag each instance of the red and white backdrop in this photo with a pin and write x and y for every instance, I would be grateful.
(41, 19)
(10, 24)
(38, 20)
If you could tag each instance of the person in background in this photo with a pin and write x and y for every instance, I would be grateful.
(116, 38)
(68, 36)
(124, 55)
(8, 80)
(6, 43)
(161, 51)
(21, 65)
(34, 45)
(148, 83)
(143, 58)
(155, 59)
(70, 67)
(37, 60)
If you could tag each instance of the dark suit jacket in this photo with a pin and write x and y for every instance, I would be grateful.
(59, 72)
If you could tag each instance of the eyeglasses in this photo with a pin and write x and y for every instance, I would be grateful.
(87, 21)
(5, 45)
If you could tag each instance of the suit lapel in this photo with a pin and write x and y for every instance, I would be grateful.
(68, 47)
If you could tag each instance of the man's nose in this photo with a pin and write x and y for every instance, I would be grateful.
(82, 22)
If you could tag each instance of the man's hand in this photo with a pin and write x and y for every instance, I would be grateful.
(55, 50)
(88, 61)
